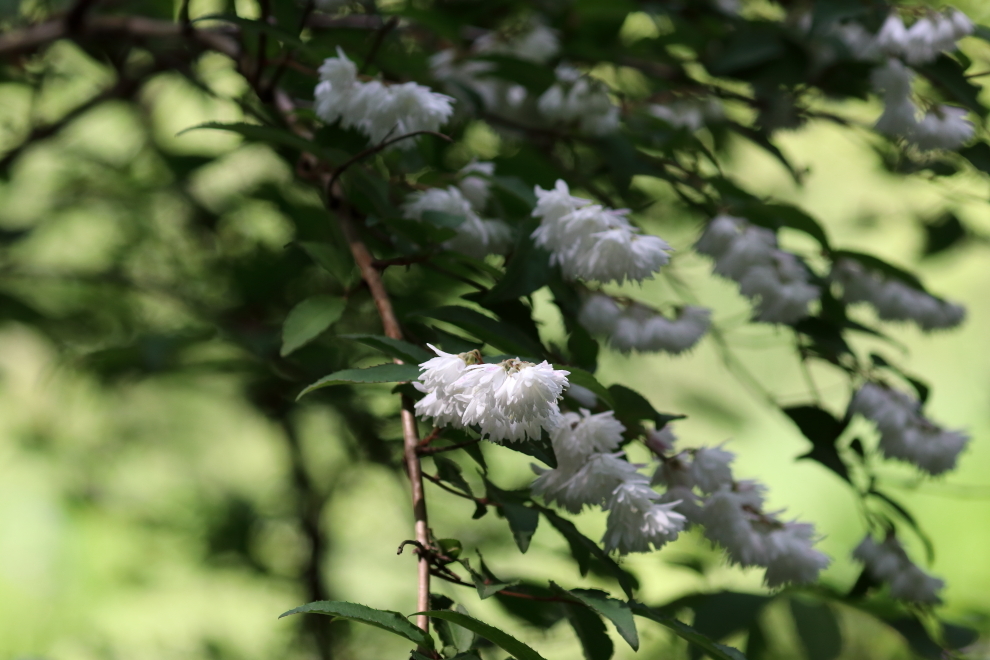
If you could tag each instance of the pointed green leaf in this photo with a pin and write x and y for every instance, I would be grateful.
(308, 320)
(818, 629)
(497, 637)
(275, 136)
(715, 650)
(823, 430)
(382, 373)
(449, 471)
(590, 631)
(409, 353)
(614, 610)
(384, 619)
(586, 380)
(493, 332)
(334, 259)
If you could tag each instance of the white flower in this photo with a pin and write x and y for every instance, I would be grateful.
(905, 434)
(475, 183)
(791, 555)
(775, 280)
(580, 435)
(888, 562)
(475, 237)
(538, 44)
(727, 523)
(444, 401)
(899, 118)
(636, 522)
(582, 395)
(599, 314)
(945, 127)
(893, 299)
(675, 471)
(710, 468)
(513, 399)
(893, 79)
(592, 484)
(377, 110)
(861, 44)
(659, 333)
(591, 242)
(661, 442)
(961, 25)
(690, 114)
(575, 99)
(892, 36)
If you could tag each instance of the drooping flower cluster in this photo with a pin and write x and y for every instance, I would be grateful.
(731, 512)
(590, 472)
(893, 299)
(509, 401)
(928, 37)
(690, 114)
(374, 108)
(942, 127)
(888, 562)
(906, 434)
(475, 237)
(591, 242)
(579, 100)
(538, 44)
(776, 280)
(637, 327)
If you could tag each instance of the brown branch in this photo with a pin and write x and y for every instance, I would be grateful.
(410, 434)
(37, 37)
(370, 151)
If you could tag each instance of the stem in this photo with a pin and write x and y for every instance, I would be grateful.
(410, 434)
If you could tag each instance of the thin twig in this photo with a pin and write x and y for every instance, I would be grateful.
(259, 64)
(410, 434)
(429, 451)
(380, 35)
(370, 151)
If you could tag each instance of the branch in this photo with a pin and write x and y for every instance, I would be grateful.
(370, 151)
(380, 35)
(410, 434)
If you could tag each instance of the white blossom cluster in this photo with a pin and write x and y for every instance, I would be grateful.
(580, 100)
(538, 44)
(887, 562)
(906, 434)
(639, 328)
(776, 280)
(591, 242)
(731, 512)
(942, 127)
(475, 237)
(926, 38)
(590, 472)
(376, 109)
(893, 299)
(508, 401)
(690, 114)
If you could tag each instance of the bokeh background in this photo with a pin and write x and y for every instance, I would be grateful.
(159, 493)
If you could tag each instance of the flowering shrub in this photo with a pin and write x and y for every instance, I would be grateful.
(374, 107)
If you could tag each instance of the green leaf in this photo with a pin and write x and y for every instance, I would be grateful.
(584, 550)
(450, 472)
(718, 615)
(950, 78)
(910, 520)
(501, 639)
(823, 430)
(584, 379)
(522, 519)
(818, 629)
(775, 216)
(403, 350)
(882, 266)
(308, 320)
(715, 650)
(384, 619)
(527, 270)
(485, 581)
(614, 610)
(253, 27)
(978, 155)
(590, 631)
(944, 233)
(493, 332)
(382, 373)
(335, 260)
(273, 135)
(631, 406)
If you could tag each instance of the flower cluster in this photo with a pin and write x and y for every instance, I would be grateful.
(377, 110)
(748, 254)
(590, 472)
(475, 237)
(893, 299)
(580, 100)
(906, 434)
(887, 562)
(731, 512)
(942, 127)
(926, 38)
(640, 328)
(591, 242)
(690, 114)
(538, 44)
(508, 401)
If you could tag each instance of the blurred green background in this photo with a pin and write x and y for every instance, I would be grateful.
(157, 500)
